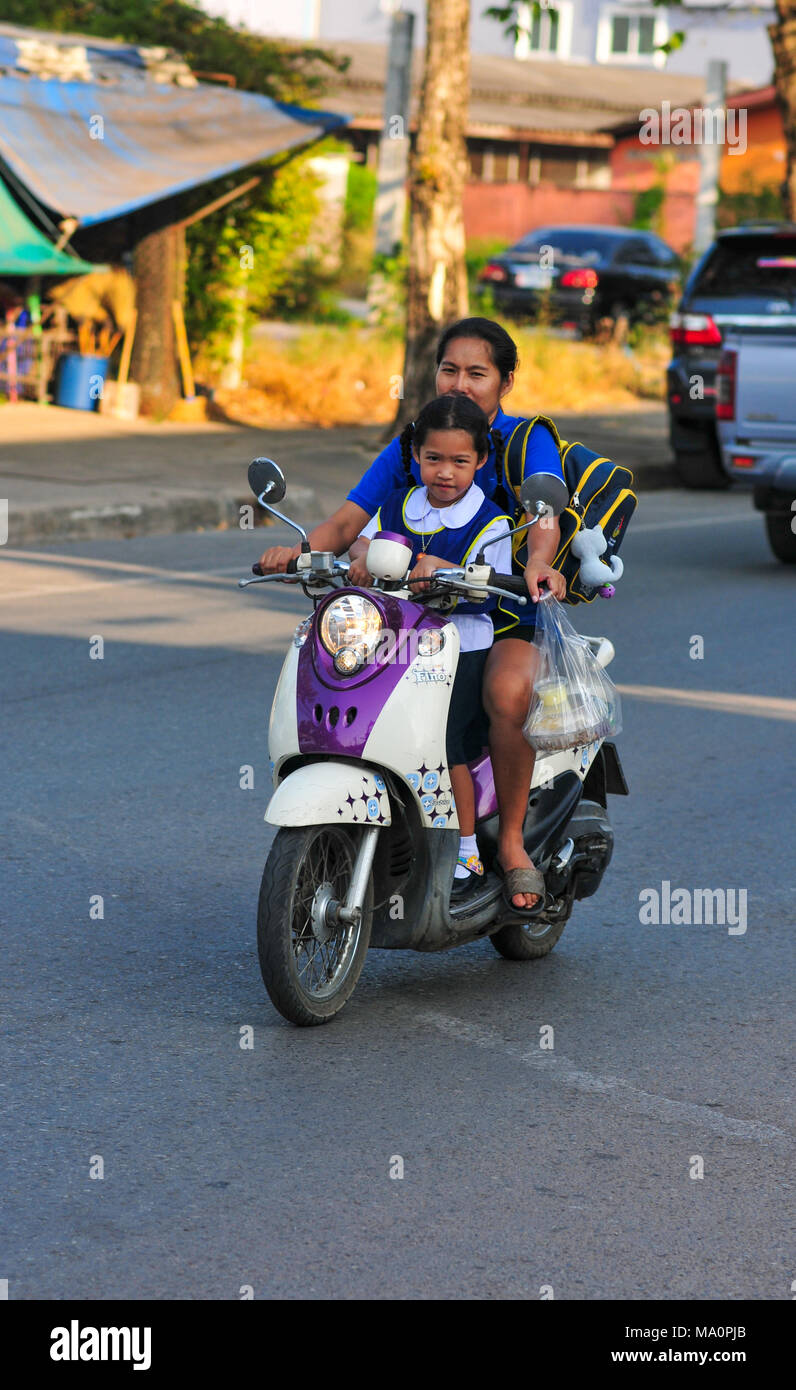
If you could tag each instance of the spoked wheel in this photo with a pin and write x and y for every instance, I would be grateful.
(310, 963)
(529, 940)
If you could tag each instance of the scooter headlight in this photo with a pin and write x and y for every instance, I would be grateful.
(351, 622)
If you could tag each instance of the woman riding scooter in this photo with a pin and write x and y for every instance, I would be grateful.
(477, 358)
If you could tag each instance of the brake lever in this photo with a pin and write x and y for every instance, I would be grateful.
(504, 593)
(266, 578)
(456, 578)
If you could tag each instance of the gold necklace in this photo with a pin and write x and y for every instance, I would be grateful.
(427, 512)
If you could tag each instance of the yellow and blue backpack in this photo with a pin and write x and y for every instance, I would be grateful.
(600, 494)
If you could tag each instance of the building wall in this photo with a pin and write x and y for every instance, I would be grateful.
(507, 211)
(740, 39)
(366, 19)
(296, 19)
(348, 19)
(763, 162)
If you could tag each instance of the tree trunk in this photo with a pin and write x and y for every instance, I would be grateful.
(783, 42)
(437, 286)
(159, 267)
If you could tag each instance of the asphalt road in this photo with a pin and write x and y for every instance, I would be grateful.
(270, 1167)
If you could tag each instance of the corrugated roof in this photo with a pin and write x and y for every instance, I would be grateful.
(509, 94)
(95, 130)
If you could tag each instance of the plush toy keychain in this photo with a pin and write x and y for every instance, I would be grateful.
(588, 545)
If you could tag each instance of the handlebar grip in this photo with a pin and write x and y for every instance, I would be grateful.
(290, 567)
(257, 568)
(512, 583)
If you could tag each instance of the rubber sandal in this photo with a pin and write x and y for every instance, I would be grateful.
(523, 881)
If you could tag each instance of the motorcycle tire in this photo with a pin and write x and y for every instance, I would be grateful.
(527, 941)
(310, 969)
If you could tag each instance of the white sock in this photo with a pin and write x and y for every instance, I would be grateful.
(467, 845)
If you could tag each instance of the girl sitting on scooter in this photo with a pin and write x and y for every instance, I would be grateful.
(477, 358)
(447, 520)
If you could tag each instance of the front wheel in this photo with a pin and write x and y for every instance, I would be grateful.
(310, 967)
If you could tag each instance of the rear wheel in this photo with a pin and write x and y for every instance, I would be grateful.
(781, 537)
(309, 964)
(701, 468)
(527, 941)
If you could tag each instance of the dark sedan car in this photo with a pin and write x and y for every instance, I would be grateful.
(745, 282)
(585, 274)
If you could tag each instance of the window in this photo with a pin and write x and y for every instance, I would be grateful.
(594, 170)
(627, 35)
(547, 34)
(646, 34)
(751, 267)
(561, 171)
(572, 246)
(634, 253)
(620, 34)
(666, 256)
(547, 39)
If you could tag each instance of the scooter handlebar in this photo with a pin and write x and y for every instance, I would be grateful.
(258, 569)
(512, 583)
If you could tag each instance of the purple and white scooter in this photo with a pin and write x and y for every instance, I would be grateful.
(368, 835)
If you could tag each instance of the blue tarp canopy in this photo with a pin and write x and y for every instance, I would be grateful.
(97, 150)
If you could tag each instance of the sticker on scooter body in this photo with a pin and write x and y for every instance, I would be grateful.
(429, 675)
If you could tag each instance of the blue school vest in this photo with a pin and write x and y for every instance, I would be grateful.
(456, 544)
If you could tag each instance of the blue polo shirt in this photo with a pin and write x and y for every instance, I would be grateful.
(387, 472)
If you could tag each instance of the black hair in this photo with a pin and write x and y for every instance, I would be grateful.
(451, 412)
(502, 347)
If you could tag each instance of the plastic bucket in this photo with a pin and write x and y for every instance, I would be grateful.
(80, 381)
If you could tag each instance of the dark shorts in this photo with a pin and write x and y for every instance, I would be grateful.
(468, 725)
(524, 632)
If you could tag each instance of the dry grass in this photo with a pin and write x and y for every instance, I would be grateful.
(349, 376)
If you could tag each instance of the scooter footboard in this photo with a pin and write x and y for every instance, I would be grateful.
(330, 792)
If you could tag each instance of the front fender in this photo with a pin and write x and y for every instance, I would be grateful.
(330, 793)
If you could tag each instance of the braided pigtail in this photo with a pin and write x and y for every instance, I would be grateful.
(499, 445)
(501, 495)
(405, 441)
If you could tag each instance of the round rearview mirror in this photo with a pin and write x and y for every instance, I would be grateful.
(266, 477)
(546, 488)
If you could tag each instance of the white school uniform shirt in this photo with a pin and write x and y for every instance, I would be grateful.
(475, 629)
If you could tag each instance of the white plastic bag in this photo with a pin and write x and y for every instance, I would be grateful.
(573, 701)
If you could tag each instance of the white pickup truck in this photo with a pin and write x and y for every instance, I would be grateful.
(756, 425)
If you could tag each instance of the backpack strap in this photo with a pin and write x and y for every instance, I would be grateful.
(515, 452)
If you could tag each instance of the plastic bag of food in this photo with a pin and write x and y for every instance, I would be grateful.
(573, 701)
